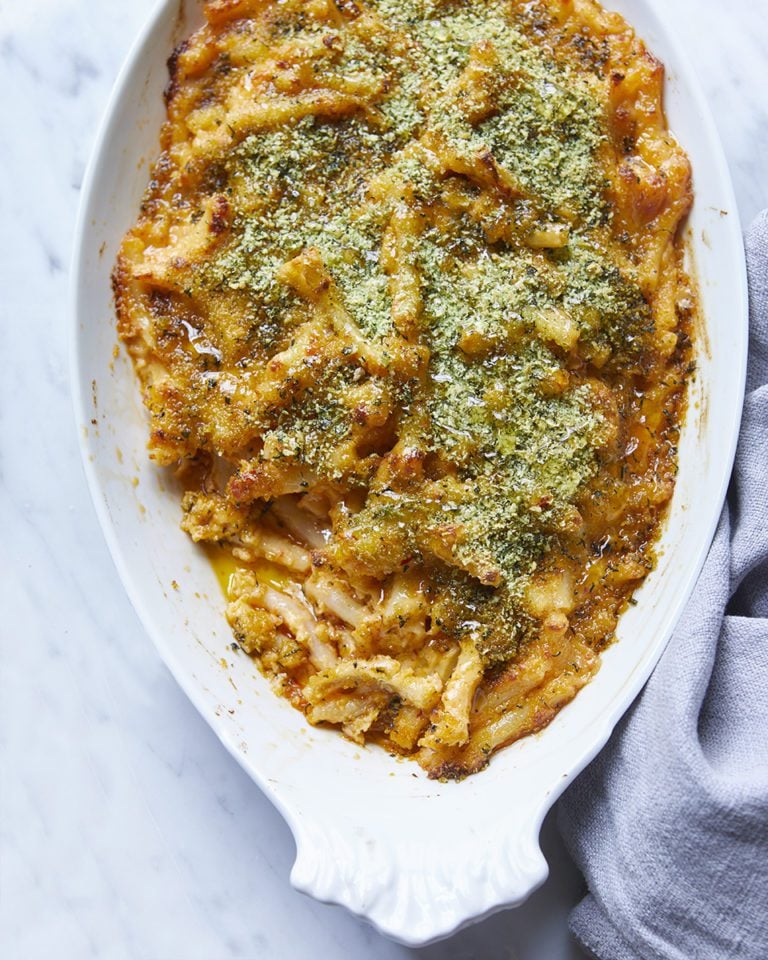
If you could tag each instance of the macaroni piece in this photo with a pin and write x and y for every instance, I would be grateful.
(407, 303)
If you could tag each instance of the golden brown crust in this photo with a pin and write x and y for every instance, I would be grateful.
(407, 292)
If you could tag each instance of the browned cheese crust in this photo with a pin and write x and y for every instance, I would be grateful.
(407, 304)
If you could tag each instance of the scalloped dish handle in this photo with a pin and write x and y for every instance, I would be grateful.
(417, 890)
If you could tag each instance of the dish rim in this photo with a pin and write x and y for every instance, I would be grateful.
(302, 875)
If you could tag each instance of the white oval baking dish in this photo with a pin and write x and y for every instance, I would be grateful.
(418, 859)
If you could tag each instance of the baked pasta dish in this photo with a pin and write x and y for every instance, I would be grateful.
(407, 302)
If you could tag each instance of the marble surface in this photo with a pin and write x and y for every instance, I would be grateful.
(126, 831)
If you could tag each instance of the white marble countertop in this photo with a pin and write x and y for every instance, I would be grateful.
(126, 831)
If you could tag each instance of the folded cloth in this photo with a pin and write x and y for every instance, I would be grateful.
(670, 823)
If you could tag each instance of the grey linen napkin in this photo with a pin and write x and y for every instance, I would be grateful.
(670, 823)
